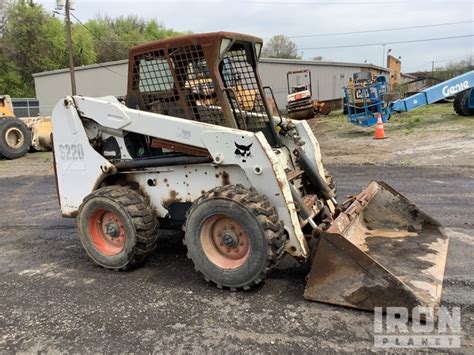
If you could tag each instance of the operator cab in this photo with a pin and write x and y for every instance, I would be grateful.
(210, 78)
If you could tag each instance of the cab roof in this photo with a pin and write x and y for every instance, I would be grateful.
(211, 38)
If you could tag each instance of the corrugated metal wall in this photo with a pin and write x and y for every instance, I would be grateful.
(327, 80)
(92, 80)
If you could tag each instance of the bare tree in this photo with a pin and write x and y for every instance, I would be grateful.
(280, 46)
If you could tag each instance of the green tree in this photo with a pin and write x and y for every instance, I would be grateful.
(454, 68)
(34, 41)
(83, 46)
(114, 37)
(280, 46)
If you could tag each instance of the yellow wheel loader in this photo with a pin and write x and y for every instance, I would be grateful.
(246, 187)
(18, 135)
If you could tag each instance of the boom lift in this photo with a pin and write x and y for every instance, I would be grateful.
(364, 97)
(246, 187)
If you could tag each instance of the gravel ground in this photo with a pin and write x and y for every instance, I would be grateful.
(54, 299)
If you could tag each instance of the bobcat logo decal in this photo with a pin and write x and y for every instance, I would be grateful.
(243, 151)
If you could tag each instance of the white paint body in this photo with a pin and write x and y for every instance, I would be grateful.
(81, 169)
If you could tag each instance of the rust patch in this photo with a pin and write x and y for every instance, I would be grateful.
(179, 147)
(225, 178)
(173, 197)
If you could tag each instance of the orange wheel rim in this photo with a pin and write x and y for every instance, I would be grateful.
(107, 232)
(225, 242)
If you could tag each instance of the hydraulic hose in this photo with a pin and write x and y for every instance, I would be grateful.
(313, 175)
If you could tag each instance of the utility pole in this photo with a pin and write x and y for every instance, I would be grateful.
(383, 54)
(432, 72)
(69, 48)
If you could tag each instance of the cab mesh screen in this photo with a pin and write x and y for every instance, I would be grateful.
(196, 84)
(192, 96)
(153, 78)
(246, 100)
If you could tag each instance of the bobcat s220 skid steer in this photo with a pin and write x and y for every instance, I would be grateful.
(196, 147)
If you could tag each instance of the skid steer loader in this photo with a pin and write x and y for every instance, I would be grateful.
(246, 187)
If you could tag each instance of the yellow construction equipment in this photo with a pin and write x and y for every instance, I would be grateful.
(18, 135)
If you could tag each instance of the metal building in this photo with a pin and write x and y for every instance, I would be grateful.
(105, 79)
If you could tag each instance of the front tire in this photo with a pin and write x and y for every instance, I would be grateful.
(234, 237)
(460, 103)
(117, 227)
(15, 138)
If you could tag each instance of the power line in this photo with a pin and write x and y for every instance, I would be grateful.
(380, 30)
(299, 2)
(93, 33)
(99, 39)
(284, 2)
(438, 61)
(305, 36)
(385, 43)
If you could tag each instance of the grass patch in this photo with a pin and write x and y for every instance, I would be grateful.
(435, 117)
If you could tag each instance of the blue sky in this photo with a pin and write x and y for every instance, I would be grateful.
(266, 18)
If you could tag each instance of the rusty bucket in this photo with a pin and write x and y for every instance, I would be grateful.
(382, 251)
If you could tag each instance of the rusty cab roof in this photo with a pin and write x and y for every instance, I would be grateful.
(211, 38)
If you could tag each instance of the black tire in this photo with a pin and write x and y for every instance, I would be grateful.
(460, 103)
(262, 228)
(15, 138)
(137, 224)
(300, 115)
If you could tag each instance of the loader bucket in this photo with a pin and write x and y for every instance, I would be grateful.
(382, 251)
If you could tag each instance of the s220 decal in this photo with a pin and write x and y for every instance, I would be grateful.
(71, 152)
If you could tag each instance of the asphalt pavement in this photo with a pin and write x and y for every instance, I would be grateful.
(54, 299)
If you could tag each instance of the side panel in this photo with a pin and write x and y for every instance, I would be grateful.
(78, 165)
(167, 185)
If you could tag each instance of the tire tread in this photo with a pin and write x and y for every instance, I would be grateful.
(265, 214)
(143, 218)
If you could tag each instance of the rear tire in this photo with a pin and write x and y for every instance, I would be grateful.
(117, 227)
(460, 103)
(15, 138)
(234, 237)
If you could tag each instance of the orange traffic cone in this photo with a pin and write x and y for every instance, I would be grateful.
(379, 131)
